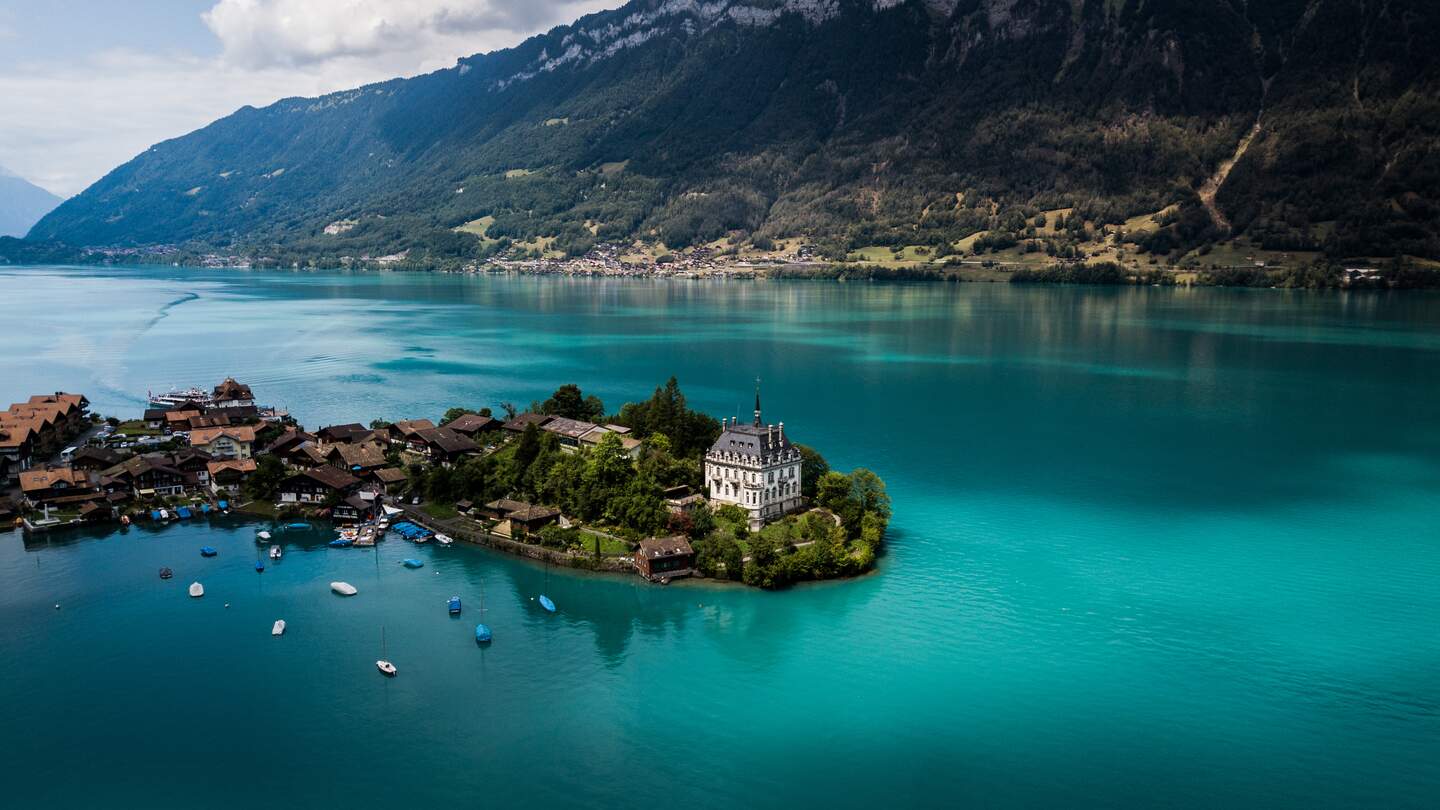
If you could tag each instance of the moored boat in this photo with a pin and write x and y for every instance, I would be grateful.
(208, 551)
(197, 590)
(454, 605)
(546, 603)
(166, 573)
(278, 628)
(343, 588)
(342, 542)
(183, 513)
(275, 552)
(262, 536)
(386, 668)
(412, 563)
(482, 634)
(259, 566)
(444, 539)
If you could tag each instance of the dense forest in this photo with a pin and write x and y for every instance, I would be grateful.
(846, 123)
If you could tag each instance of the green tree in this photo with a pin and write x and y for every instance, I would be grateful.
(263, 483)
(812, 468)
(568, 401)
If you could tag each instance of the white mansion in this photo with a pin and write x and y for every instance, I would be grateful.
(756, 468)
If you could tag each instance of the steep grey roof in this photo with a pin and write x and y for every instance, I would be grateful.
(751, 440)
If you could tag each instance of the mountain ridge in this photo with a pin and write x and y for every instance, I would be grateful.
(22, 203)
(850, 123)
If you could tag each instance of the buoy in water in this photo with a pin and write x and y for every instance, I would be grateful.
(57, 605)
(227, 604)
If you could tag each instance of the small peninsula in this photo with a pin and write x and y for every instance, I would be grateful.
(656, 487)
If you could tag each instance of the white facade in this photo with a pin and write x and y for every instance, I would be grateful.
(756, 468)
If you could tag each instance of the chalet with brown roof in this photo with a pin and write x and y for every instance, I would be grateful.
(441, 445)
(195, 465)
(385, 478)
(287, 441)
(356, 459)
(472, 425)
(179, 421)
(48, 484)
(232, 394)
(149, 476)
(404, 431)
(95, 459)
(353, 432)
(524, 420)
(661, 558)
(518, 519)
(227, 442)
(355, 509)
(228, 475)
(317, 485)
(17, 445)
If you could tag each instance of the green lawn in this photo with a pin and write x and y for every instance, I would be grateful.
(609, 547)
(137, 427)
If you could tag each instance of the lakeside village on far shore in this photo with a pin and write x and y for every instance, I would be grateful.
(656, 487)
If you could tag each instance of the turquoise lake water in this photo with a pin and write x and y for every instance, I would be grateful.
(1151, 547)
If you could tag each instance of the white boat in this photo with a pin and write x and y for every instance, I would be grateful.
(164, 514)
(262, 535)
(197, 590)
(444, 539)
(386, 668)
(275, 552)
(343, 588)
(279, 628)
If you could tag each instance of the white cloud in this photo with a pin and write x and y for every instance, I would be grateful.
(266, 33)
(69, 122)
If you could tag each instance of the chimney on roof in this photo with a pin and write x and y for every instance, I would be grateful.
(757, 402)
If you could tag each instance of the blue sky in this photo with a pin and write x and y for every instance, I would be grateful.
(88, 84)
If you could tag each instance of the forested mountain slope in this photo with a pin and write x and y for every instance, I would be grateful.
(846, 122)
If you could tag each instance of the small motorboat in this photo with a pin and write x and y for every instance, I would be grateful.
(183, 513)
(279, 628)
(444, 539)
(386, 668)
(208, 551)
(197, 590)
(482, 634)
(546, 603)
(155, 515)
(164, 514)
(124, 520)
(166, 573)
(275, 552)
(294, 527)
(454, 605)
(342, 542)
(343, 588)
(262, 536)
(259, 566)
(412, 563)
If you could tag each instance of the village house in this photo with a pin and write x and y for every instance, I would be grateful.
(404, 431)
(149, 476)
(178, 421)
(287, 441)
(756, 468)
(343, 434)
(228, 475)
(195, 466)
(317, 485)
(38, 428)
(384, 480)
(519, 519)
(472, 426)
(17, 445)
(661, 558)
(524, 420)
(231, 394)
(681, 501)
(95, 459)
(356, 459)
(441, 445)
(355, 509)
(227, 442)
(46, 485)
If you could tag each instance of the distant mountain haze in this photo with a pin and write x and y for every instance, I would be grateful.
(22, 204)
(1303, 124)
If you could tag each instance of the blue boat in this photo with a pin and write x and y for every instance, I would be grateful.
(295, 526)
(204, 508)
(482, 634)
(411, 563)
(155, 515)
(259, 565)
(546, 603)
(454, 606)
(341, 542)
(183, 513)
(224, 505)
(207, 551)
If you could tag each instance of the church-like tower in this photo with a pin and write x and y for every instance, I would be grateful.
(756, 468)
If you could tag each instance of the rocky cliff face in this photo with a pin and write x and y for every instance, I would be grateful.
(849, 121)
